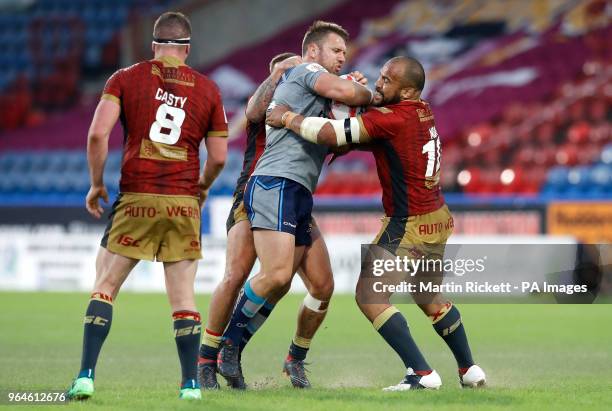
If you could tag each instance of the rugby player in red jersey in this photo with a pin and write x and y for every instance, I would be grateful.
(166, 109)
(406, 147)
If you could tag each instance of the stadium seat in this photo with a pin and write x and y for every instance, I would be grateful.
(557, 179)
(600, 175)
(606, 155)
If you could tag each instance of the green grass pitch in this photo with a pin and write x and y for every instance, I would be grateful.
(536, 357)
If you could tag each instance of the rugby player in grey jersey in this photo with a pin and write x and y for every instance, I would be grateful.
(315, 269)
(278, 196)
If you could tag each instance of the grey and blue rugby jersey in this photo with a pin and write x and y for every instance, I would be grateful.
(287, 154)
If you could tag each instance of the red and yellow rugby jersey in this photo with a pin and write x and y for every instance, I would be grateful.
(167, 108)
(407, 153)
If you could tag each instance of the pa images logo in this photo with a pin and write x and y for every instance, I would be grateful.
(8, 261)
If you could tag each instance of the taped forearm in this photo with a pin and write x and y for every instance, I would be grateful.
(341, 132)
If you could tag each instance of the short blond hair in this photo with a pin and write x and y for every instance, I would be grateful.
(317, 32)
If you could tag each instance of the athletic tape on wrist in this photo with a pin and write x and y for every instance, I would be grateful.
(338, 126)
(287, 118)
(350, 131)
(311, 126)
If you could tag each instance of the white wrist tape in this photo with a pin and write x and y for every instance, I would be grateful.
(355, 130)
(347, 130)
(311, 126)
(315, 305)
(338, 126)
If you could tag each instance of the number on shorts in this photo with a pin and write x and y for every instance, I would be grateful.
(167, 125)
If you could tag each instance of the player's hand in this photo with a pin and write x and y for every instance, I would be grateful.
(92, 201)
(289, 63)
(275, 115)
(203, 192)
(359, 77)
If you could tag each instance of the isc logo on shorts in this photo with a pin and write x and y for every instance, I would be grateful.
(128, 241)
(194, 245)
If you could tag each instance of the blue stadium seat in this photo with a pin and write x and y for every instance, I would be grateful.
(578, 179)
(25, 183)
(111, 179)
(42, 182)
(601, 175)
(606, 154)
(80, 182)
(557, 178)
(113, 161)
(22, 162)
(57, 161)
(119, 17)
(5, 163)
(89, 14)
(39, 162)
(9, 181)
(600, 181)
(61, 183)
(93, 54)
(76, 161)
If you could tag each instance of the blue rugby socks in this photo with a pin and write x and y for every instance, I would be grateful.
(98, 318)
(255, 323)
(448, 325)
(392, 326)
(187, 330)
(248, 305)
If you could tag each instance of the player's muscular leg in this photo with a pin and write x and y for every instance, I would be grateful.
(371, 311)
(430, 303)
(372, 303)
(315, 270)
(371, 306)
(279, 294)
(180, 277)
(433, 308)
(239, 260)
(276, 252)
(111, 271)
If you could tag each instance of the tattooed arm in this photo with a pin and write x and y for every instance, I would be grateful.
(257, 105)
